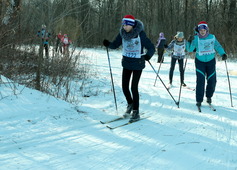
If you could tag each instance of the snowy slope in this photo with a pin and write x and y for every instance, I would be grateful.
(38, 131)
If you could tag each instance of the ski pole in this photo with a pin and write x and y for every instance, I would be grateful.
(159, 68)
(112, 79)
(229, 83)
(163, 83)
(180, 88)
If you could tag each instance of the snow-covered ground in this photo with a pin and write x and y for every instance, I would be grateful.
(38, 131)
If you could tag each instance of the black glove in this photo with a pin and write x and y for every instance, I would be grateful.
(106, 43)
(190, 38)
(146, 57)
(224, 57)
(196, 29)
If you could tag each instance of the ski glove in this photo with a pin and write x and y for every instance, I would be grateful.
(224, 57)
(196, 29)
(146, 57)
(190, 38)
(106, 43)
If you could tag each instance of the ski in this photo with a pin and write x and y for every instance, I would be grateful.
(118, 126)
(185, 87)
(113, 120)
(125, 124)
(116, 119)
(211, 107)
(189, 88)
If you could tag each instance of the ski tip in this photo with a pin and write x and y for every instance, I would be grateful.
(102, 122)
(110, 127)
(212, 108)
(199, 109)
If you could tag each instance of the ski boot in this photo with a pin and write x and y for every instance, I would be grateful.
(128, 111)
(198, 104)
(135, 116)
(183, 84)
(169, 85)
(209, 100)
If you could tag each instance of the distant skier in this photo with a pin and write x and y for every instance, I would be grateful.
(58, 42)
(161, 45)
(205, 44)
(65, 43)
(178, 47)
(133, 39)
(44, 35)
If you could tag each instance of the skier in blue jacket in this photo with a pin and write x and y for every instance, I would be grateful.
(206, 46)
(133, 39)
(44, 35)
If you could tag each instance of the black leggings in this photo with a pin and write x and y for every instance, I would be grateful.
(134, 87)
(160, 55)
(181, 69)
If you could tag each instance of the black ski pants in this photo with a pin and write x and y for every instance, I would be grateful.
(160, 55)
(205, 70)
(126, 76)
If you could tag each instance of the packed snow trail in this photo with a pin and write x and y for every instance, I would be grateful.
(38, 131)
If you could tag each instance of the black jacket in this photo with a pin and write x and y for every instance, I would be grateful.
(134, 63)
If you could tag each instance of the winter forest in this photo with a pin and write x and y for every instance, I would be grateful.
(88, 22)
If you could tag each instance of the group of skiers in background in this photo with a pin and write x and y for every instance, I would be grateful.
(62, 41)
(133, 39)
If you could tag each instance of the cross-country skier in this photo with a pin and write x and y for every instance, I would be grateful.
(178, 46)
(65, 43)
(133, 39)
(161, 45)
(206, 46)
(58, 42)
(44, 35)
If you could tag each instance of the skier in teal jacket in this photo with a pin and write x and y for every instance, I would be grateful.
(206, 46)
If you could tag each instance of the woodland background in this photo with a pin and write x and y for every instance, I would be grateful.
(88, 22)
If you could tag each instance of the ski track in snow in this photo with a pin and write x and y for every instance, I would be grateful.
(41, 132)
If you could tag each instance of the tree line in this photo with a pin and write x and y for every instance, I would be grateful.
(88, 22)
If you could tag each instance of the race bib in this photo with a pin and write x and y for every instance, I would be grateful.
(132, 48)
(206, 47)
(65, 41)
(179, 50)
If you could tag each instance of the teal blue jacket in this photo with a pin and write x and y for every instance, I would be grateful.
(209, 57)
